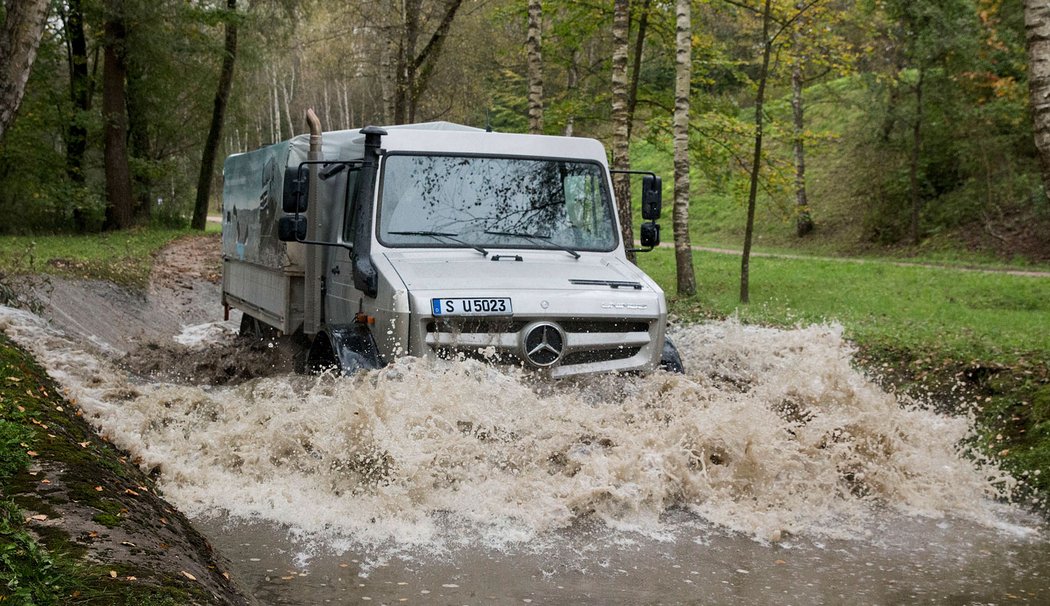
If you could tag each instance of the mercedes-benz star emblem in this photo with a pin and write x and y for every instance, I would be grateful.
(543, 344)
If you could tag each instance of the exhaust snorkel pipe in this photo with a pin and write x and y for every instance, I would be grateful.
(312, 300)
(366, 279)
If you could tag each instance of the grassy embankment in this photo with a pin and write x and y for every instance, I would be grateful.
(67, 497)
(79, 523)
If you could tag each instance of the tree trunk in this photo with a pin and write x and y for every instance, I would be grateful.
(275, 127)
(138, 137)
(916, 156)
(1037, 28)
(405, 76)
(114, 116)
(803, 218)
(76, 133)
(218, 114)
(620, 118)
(683, 250)
(636, 67)
(573, 79)
(287, 93)
(19, 39)
(533, 46)
(756, 162)
(428, 57)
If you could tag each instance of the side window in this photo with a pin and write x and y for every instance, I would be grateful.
(349, 218)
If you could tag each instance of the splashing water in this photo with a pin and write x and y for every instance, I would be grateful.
(771, 433)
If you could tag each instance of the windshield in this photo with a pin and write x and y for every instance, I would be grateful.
(495, 202)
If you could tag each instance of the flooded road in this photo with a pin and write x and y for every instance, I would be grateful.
(911, 561)
(772, 473)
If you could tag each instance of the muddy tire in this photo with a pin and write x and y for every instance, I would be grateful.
(670, 360)
(320, 356)
(254, 329)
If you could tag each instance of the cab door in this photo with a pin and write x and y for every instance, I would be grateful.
(342, 300)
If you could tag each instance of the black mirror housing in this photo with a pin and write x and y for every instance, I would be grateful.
(650, 235)
(652, 198)
(291, 229)
(293, 199)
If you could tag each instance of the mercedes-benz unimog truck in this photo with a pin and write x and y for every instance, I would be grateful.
(440, 240)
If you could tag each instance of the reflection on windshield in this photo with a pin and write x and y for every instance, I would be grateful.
(493, 202)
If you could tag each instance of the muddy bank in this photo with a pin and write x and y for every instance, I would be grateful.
(107, 536)
(106, 533)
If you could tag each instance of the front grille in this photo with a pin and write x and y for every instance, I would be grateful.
(499, 340)
(476, 325)
(603, 326)
(600, 355)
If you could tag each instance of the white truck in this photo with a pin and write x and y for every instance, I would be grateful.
(438, 240)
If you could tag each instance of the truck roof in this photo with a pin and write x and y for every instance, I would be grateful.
(448, 137)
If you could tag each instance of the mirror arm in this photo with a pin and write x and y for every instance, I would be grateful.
(632, 172)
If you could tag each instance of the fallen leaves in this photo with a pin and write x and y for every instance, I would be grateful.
(188, 576)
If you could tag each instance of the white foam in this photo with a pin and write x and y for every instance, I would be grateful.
(770, 432)
(202, 334)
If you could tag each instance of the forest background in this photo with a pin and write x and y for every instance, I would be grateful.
(892, 126)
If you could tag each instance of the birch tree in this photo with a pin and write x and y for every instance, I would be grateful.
(20, 34)
(683, 250)
(533, 47)
(621, 122)
(1037, 30)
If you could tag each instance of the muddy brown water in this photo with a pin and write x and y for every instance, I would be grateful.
(773, 472)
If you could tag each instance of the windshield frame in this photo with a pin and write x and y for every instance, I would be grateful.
(521, 243)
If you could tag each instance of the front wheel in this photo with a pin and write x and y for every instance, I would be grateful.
(670, 360)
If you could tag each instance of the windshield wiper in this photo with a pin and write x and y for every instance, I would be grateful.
(545, 239)
(440, 234)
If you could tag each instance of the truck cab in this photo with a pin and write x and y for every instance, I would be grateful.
(440, 240)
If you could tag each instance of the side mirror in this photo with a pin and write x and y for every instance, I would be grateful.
(291, 229)
(650, 235)
(652, 198)
(296, 188)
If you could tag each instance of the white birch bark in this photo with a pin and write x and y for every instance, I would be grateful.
(683, 250)
(1037, 29)
(533, 46)
(620, 116)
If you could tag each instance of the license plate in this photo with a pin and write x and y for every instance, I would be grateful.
(472, 307)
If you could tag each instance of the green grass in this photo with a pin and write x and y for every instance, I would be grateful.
(124, 257)
(968, 315)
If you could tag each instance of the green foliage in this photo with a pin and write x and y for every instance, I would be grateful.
(13, 457)
(27, 573)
